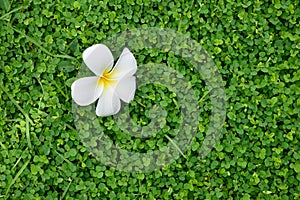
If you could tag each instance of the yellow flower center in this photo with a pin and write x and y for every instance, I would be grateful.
(106, 79)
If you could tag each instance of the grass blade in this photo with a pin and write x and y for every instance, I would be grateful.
(18, 160)
(66, 190)
(63, 157)
(204, 95)
(170, 139)
(16, 104)
(28, 133)
(40, 46)
(16, 177)
(7, 14)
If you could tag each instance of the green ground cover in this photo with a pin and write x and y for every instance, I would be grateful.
(255, 46)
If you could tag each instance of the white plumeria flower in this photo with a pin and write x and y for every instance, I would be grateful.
(110, 84)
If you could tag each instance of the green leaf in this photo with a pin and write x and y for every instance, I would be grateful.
(296, 167)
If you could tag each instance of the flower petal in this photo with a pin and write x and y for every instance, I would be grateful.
(109, 103)
(125, 66)
(126, 88)
(86, 90)
(98, 58)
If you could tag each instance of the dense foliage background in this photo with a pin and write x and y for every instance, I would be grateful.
(255, 45)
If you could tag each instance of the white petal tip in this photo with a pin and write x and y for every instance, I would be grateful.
(98, 58)
(85, 91)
